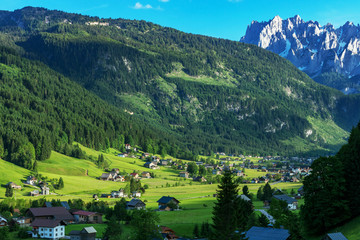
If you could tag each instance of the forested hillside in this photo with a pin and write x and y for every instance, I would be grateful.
(208, 94)
(42, 110)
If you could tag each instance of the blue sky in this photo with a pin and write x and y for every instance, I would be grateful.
(218, 18)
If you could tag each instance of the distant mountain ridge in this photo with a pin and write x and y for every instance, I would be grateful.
(204, 94)
(312, 48)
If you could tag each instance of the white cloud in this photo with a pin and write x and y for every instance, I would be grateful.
(140, 6)
(164, 0)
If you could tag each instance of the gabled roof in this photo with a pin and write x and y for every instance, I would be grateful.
(244, 197)
(134, 202)
(49, 223)
(89, 230)
(65, 205)
(261, 233)
(285, 198)
(48, 204)
(166, 200)
(58, 213)
(2, 219)
(105, 175)
(336, 236)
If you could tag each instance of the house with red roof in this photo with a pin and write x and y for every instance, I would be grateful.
(134, 175)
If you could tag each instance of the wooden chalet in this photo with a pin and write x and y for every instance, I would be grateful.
(168, 203)
(87, 217)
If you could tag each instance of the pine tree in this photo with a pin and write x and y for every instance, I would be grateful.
(260, 194)
(196, 231)
(9, 191)
(61, 183)
(113, 230)
(246, 191)
(145, 224)
(120, 212)
(35, 168)
(226, 216)
(263, 221)
(325, 205)
(349, 155)
(267, 192)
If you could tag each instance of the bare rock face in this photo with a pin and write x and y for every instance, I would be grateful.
(312, 48)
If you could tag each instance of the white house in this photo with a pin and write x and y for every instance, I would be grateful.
(31, 180)
(292, 203)
(118, 194)
(3, 222)
(136, 194)
(48, 228)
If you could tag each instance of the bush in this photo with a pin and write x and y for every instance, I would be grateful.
(23, 233)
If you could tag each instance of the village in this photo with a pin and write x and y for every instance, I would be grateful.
(44, 221)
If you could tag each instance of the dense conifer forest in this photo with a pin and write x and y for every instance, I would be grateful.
(160, 89)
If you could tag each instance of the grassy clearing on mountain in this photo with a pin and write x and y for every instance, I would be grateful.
(202, 79)
(330, 133)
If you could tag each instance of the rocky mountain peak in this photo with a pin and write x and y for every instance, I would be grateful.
(313, 48)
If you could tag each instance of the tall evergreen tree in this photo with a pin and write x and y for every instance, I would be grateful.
(145, 224)
(61, 183)
(9, 191)
(226, 217)
(35, 167)
(113, 230)
(267, 192)
(350, 158)
(196, 231)
(324, 194)
(263, 221)
(246, 191)
(120, 211)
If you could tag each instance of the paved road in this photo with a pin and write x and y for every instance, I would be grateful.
(275, 183)
(269, 217)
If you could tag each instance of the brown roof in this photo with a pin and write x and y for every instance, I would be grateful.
(46, 223)
(58, 213)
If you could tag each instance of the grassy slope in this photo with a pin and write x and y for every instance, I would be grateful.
(196, 199)
(351, 230)
(11, 173)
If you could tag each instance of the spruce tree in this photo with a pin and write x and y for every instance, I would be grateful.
(9, 191)
(61, 183)
(35, 168)
(267, 192)
(325, 205)
(196, 231)
(263, 221)
(349, 155)
(113, 230)
(246, 191)
(226, 217)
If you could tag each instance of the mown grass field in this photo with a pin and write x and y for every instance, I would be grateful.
(80, 179)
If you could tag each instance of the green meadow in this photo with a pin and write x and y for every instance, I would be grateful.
(80, 179)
